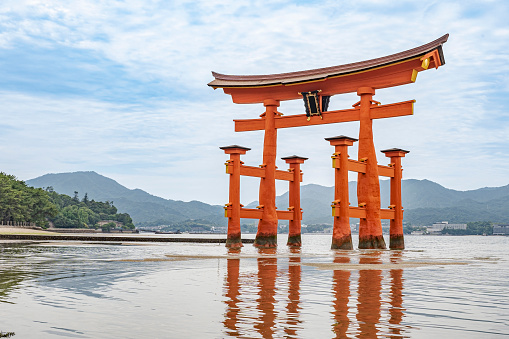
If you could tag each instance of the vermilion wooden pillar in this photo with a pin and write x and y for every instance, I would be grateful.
(341, 234)
(233, 238)
(267, 226)
(368, 185)
(294, 227)
(397, 241)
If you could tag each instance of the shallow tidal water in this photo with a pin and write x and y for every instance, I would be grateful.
(440, 286)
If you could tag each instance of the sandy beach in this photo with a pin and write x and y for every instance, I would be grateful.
(21, 230)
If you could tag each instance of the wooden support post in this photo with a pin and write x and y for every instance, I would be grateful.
(233, 238)
(341, 234)
(267, 226)
(397, 241)
(294, 226)
(368, 184)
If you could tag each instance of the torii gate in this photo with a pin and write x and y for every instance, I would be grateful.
(316, 87)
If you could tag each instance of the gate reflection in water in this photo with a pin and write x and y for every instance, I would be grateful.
(356, 311)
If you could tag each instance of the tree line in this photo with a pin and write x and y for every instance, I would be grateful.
(21, 203)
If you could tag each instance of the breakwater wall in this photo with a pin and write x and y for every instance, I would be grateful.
(73, 230)
(97, 238)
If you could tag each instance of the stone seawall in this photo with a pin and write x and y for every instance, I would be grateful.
(98, 238)
(74, 230)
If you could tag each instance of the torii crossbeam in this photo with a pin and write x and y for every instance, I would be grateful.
(361, 77)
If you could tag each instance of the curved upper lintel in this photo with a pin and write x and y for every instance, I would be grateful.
(392, 70)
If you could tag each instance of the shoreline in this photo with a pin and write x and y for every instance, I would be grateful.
(38, 235)
(22, 230)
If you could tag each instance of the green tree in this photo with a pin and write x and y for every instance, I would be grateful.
(108, 226)
(126, 220)
(41, 207)
(20, 203)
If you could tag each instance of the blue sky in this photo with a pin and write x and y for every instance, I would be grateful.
(119, 87)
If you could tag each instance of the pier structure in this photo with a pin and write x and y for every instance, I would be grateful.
(316, 87)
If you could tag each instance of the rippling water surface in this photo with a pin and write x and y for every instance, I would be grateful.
(443, 287)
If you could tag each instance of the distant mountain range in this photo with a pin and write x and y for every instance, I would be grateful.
(424, 201)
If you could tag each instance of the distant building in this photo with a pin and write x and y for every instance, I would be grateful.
(500, 229)
(219, 229)
(438, 227)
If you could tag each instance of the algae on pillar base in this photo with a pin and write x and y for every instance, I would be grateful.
(234, 241)
(397, 242)
(263, 240)
(342, 243)
(294, 240)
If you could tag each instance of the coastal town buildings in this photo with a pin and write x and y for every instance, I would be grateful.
(438, 227)
(500, 229)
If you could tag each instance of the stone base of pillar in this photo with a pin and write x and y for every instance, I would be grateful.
(372, 242)
(234, 241)
(342, 243)
(263, 240)
(294, 240)
(397, 242)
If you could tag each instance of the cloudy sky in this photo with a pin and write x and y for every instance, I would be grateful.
(120, 88)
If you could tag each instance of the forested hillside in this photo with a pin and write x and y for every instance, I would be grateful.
(21, 203)
(86, 213)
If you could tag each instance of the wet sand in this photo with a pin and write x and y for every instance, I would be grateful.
(22, 230)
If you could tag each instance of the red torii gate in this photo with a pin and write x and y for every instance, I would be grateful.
(317, 86)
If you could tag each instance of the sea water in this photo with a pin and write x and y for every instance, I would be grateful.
(440, 286)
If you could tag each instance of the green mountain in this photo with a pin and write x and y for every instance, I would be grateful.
(424, 201)
(144, 208)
